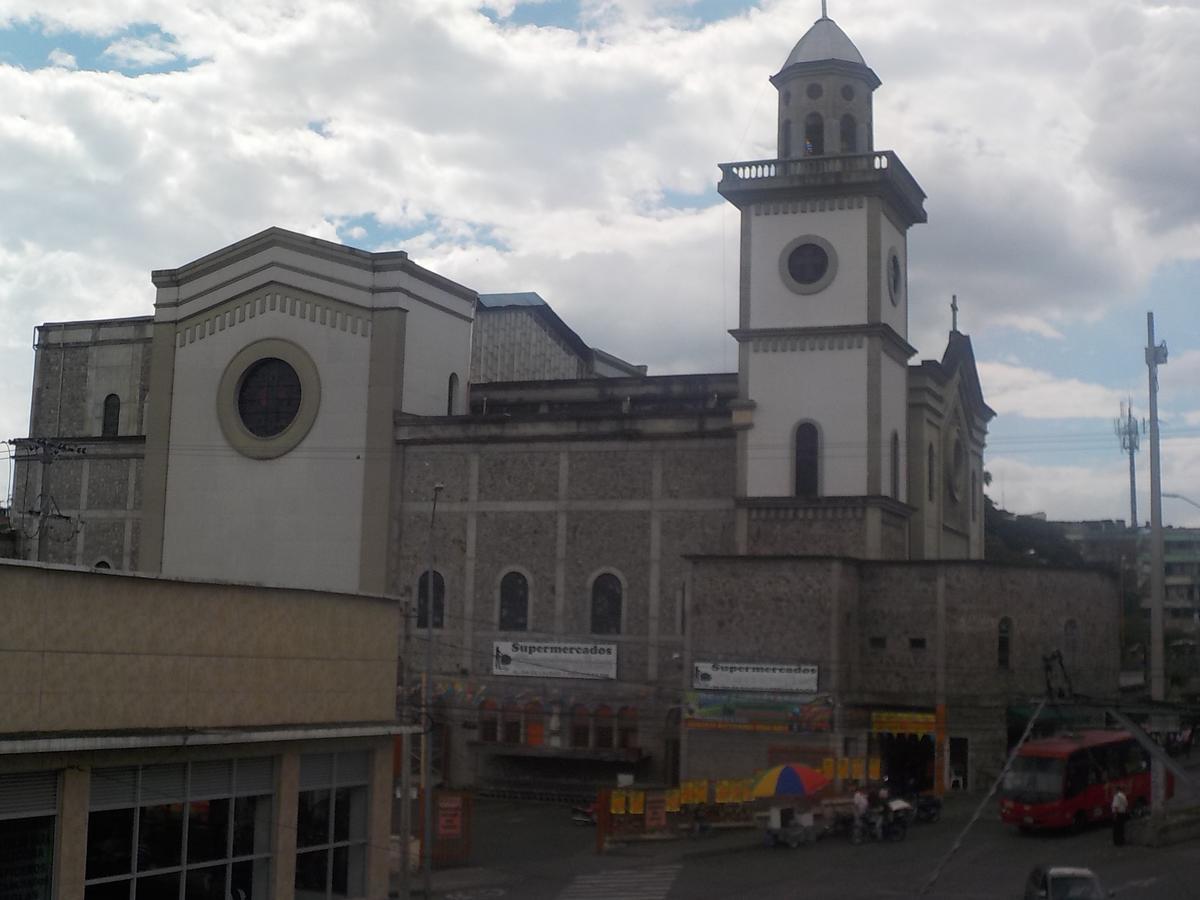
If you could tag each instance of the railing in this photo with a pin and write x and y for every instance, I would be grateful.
(881, 164)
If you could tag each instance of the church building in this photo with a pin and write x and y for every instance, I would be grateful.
(665, 575)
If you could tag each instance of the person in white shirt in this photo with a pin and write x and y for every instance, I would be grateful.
(1120, 815)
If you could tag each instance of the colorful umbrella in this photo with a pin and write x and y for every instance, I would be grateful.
(790, 780)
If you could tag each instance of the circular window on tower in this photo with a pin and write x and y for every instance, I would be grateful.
(814, 91)
(268, 397)
(808, 264)
(847, 92)
(895, 277)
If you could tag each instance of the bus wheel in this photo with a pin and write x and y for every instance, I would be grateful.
(1140, 808)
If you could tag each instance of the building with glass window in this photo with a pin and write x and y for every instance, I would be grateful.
(174, 738)
(310, 415)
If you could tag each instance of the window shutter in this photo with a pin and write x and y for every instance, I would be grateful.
(255, 776)
(211, 779)
(316, 770)
(161, 784)
(114, 788)
(29, 794)
(353, 768)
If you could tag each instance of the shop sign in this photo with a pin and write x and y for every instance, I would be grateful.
(450, 817)
(738, 676)
(903, 722)
(544, 660)
(656, 812)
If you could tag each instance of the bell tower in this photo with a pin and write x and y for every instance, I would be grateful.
(823, 316)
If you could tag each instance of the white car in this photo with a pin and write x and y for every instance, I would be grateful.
(1064, 883)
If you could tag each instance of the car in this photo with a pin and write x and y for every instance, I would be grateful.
(1064, 883)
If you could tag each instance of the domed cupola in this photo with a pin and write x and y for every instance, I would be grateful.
(825, 89)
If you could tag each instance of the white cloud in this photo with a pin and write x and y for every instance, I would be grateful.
(62, 59)
(558, 146)
(1035, 394)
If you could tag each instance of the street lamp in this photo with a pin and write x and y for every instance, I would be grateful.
(1183, 498)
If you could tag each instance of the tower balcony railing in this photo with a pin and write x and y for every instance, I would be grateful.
(824, 171)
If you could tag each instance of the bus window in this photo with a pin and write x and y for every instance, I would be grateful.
(1079, 772)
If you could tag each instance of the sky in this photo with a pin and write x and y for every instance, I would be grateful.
(570, 147)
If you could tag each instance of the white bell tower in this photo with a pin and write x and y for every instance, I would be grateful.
(823, 319)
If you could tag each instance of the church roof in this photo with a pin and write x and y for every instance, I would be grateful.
(960, 357)
(824, 41)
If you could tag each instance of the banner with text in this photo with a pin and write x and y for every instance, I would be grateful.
(730, 676)
(537, 660)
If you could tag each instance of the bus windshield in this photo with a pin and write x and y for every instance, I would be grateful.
(1034, 779)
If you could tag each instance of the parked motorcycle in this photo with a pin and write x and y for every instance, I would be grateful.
(925, 808)
(877, 826)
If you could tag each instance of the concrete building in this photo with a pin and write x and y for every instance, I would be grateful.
(239, 737)
(305, 405)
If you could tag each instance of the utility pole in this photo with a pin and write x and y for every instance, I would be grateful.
(427, 707)
(1156, 355)
(1128, 433)
(405, 757)
(45, 452)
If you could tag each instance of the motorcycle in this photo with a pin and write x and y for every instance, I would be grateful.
(880, 826)
(925, 808)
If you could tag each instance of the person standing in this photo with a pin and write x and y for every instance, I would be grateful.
(1120, 815)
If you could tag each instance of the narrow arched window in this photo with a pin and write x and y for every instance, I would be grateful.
(489, 721)
(974, 496)
(451, 393)
(1003, 643)
(849, 134)
(439, 600)
(514, 602)
(581, 726)
(808, 460)
(785, 140)
(627, 728)
(510, 724)
(895, 465)
(606, 604)
(605, 734)
(111, 422)
(814, 135)
(535, 724)
(931, 474)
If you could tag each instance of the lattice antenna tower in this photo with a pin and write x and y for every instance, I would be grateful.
(1128, 431)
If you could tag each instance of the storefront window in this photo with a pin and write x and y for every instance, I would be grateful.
(331, 826)
(28, 804)
(203, 827)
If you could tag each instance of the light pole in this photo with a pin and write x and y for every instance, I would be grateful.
(427, 706)
(1156, 355)
(1183, 498)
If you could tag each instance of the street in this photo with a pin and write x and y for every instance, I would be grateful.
(528, 851)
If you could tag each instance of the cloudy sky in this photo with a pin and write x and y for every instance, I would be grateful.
(570, 147)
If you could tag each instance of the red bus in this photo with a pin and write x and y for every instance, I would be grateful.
(1069, 780)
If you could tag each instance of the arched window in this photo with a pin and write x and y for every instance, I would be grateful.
(514, 602)
(489, 721)
(931, 474)
(974, 499)
(535, 724)
(439, 600)
(627, 728)
(581, 726)
(1003, 643)
(849, 134)
(808, 460)
(785, 140)
(606, 604)
(814, 135)
(895, 465)
(112, 416)
(510, 724)
(102, 564)
(605, 735)
(954, 477)
(451, 393)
